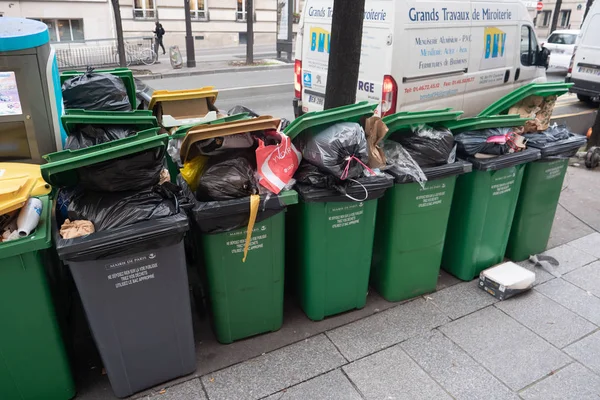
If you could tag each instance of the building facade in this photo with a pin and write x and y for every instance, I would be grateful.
(570, 15)
(215, 23)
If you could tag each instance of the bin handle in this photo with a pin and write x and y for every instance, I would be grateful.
(365, 189)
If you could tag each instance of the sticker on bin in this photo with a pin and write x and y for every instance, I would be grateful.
(133, 270)
(346, 215)
(237, 239)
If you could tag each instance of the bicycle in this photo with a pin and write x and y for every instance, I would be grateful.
(145, 56)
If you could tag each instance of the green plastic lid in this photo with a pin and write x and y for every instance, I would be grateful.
(478, 123)
(140, 120)
(61, 169)
(125, 74)
(182, 130)
(288, 197)
(321, 119)
(39, 239)
(406, 119)
(532, 89)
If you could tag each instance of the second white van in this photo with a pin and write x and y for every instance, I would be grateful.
(422, 54)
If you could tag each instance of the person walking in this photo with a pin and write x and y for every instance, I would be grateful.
(159, 31)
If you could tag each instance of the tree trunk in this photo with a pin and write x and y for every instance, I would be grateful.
(249, 32)
(190, 52)
(119, 29)
(344, 52)
(594, 139)
(587, 8)
(556, 15)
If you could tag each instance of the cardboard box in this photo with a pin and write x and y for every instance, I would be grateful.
(506, 280)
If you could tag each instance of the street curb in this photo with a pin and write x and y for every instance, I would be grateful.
(215, 71)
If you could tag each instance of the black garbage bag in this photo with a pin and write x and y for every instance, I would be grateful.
(114, 210)
(429, 147)
(337, 150)
(228, 176)
(139, 171)
(471, 143)
(240, 110)
(308, 174)
(550, 135)
(92, 91)
(400, 164)
(91, 135)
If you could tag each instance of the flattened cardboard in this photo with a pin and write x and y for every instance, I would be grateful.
(226, 129)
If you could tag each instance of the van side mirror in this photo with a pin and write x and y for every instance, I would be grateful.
(543, 58)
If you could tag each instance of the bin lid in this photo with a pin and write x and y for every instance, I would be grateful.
(406, 119)
(19, 182)
(39, 239)
(181, 131)
(61, 169)
(505, 161)
(125, 74)
(225, 129)
(532, 89)
(321, 119)
(207, 92)
(484, 122)
(141, 119)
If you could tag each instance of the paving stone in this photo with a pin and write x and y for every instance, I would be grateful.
(511, 352)
(462, 299)
(586, 351)
(391, 374)
(569, 258)
(575, 299)
(572, 382)
(332, 386)
(547, 318)
(191, 390)
(587, 278)
(387, 328)
(589, 244)
(541, 274)
(566, 228)
(274, 371)
(454, 369)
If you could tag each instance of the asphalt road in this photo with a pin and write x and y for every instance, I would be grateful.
(270, 92)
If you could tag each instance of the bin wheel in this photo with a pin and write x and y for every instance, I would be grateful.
(592, 157)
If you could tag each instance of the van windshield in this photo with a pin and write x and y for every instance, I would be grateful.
(562, 38)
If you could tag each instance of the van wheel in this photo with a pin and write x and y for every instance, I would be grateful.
(584, 98)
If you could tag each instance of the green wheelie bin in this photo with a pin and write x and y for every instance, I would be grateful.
(484, 203)
(246, 297)
(412, 219)
(329, 235)
(34, 361)
(125, 74)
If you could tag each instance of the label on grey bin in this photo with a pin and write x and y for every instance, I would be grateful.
(133, 270)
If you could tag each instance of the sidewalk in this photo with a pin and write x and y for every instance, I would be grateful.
(458, 342)
(212, 61)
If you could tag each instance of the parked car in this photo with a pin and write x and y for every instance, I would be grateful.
(561, 44)
(584, 70)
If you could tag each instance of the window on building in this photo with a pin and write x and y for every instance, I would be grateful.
(565, 18)
(241, 10)
(64, 30)
(528, 46)
(144, 9)
(198, 9)
(543, 20)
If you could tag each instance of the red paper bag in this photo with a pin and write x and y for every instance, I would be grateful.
(277, 163)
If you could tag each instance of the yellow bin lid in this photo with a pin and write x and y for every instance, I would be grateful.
(19, 182)
(207, 92)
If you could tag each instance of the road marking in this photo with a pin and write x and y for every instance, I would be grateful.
(565, 104)
(573, 115)
(276, 85)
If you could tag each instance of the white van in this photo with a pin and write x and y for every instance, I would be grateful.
(584, 70)
(423, 54)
